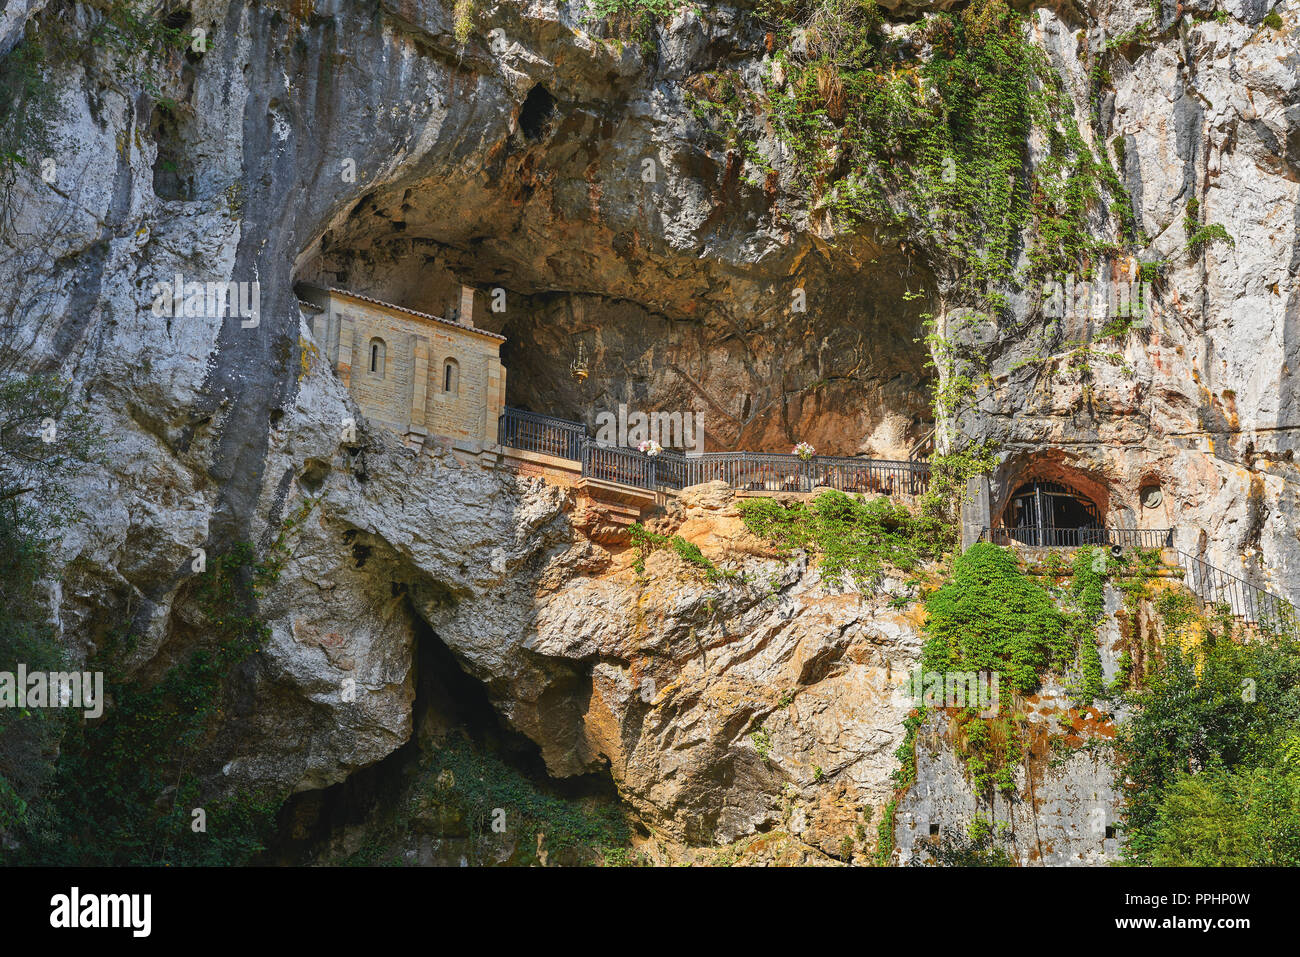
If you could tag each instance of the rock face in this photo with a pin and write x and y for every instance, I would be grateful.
(1065, 808)
(364, 146)
(719, 709)
(1201, 402)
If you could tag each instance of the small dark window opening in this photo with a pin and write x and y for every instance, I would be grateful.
(377, 350)
(173, 173)
(934, 830)
(450, 377)
(538, 108)
(1110, 831)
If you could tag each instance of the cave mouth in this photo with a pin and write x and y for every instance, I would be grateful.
(1053, 513)
(828, 356)
(450, 706)
(538, 108)
(173, 171)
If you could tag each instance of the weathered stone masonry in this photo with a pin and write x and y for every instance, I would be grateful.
(414, 373)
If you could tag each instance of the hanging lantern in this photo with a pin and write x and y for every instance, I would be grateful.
(578, 368)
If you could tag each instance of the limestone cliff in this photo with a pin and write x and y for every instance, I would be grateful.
(564, 159)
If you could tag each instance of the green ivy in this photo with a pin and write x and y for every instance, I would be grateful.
(1201, 235)
(940, 147)
(853, 539)
(990, 616)
(1090, 571)
(885, 835)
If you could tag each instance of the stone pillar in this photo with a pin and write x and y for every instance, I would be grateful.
(346, 336)
(976, 513)
(466, 312)
(495, 397)
(419, 385)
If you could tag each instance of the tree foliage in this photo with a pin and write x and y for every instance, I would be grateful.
(1210, 763)
(44, 443)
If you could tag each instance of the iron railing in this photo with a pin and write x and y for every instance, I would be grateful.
(1038, 537)
(533, 432)
(1218, 589)
(746, 471)
(770, 472)
(923, 449)
(623, 466)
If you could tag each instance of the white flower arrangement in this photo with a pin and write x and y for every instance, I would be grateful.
(804, 451)
(650, 447)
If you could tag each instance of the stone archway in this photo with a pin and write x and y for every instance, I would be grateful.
(1048, 503)
(1052, 513)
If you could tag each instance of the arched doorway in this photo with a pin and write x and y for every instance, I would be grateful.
(1048, 514)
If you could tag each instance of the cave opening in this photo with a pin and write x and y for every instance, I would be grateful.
(850, 378)
(451, 709)
(173, 174)
(538, 108)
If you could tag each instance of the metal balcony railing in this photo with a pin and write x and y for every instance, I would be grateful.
(623, 466)
(746, 471)
(533, 432)
(1038, 537)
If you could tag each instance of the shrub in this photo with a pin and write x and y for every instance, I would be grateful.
(852, 538)
(1214, 740)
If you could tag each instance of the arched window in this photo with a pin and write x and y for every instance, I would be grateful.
(377, 351)
(451, 377)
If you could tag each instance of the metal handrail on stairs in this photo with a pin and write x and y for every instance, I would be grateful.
(923, 448)
(1215, 588)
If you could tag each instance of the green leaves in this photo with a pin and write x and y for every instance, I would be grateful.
(990, 616)
(646, 541)
(125, 785)
(1209, 760)
(1219, 819)
(942, 143)
(853, 539)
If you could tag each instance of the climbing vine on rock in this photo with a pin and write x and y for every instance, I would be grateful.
(853, 539)
(1089, 591)
(646, 541)
(926, 127)
(990, 616)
